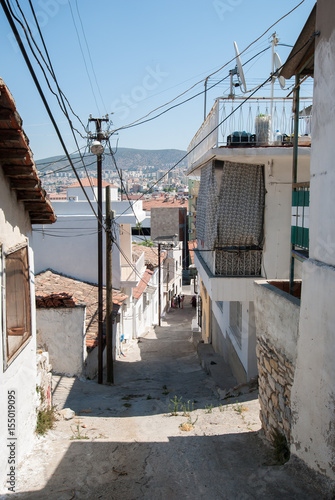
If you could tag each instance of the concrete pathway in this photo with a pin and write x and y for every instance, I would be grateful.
(124, 443)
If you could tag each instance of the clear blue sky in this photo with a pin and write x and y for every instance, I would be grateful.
(144, 54)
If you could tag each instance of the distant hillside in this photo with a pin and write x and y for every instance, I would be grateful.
(126, 159)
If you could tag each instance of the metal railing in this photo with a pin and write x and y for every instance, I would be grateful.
(232, 125)
(300, 216)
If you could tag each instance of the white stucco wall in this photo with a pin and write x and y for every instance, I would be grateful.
(20, 375)
(70, 247)
(313, 392)
(61, 331)
(277, 318)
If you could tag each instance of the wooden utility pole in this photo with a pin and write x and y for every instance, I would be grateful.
(109, 289)
(100, 136)
(159, 284)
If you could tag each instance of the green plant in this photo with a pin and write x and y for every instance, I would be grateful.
(149, 396)
(176, 402)
(165, 390)
(281, 451)
(187, 408)
(46, 418)
(209, 408)
(76, 433)
(189, 425)
(127, 405)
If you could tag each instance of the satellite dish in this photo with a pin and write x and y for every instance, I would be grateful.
(278, 64)
(240, 70)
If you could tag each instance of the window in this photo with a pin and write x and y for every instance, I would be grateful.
(17, 293)
(235, 317)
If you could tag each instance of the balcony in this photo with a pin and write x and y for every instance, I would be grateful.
(230, 286)
(252, 125)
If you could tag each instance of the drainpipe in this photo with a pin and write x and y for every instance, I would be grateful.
(295, 162)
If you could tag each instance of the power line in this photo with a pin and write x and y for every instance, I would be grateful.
(214, 72)
(84, 59)
(89, 55)
(228, 116)
(38, 86)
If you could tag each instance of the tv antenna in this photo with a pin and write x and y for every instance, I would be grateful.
(276, 65)
(238, 70)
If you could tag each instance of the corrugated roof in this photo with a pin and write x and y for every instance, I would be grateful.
(16, 161)
(302, 51)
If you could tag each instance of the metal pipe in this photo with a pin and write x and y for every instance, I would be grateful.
(295, 163)
(159, 284)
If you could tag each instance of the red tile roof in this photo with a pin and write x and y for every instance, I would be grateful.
(55, 290)
(90, 181)
(17, 163)
(150, 254)
(165, 201)
(137, 292)
(191, 246)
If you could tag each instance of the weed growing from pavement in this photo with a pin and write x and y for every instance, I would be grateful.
(127, 405)
(187, 408)
(176, 403)
(165, 390)
(46, 417)
(209, 408)
(149, 396)
(281, 450)
(76, 434)
(189, 425)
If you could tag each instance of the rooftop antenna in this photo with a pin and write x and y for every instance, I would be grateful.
(238, 70)
(276, 64)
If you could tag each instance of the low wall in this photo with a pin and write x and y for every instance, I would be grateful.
(61, 332)
(277, 323)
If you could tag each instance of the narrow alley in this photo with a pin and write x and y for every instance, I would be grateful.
(125, 442)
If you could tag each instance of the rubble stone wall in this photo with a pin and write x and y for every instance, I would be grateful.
(276, 375)
(277, 330)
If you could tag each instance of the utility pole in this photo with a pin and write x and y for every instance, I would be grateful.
(159, 284)
(109, 289)
(97, 148)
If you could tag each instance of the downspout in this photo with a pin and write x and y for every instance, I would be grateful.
(295, 163)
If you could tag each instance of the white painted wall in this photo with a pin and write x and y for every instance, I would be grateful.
(21, 374)
(277, 318)
(69, 247)
(61, 332)
(313, 391)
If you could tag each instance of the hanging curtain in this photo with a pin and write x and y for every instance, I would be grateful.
(207, 206)
(240, 205)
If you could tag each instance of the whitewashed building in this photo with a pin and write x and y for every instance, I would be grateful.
(243, 231)
(22, 203)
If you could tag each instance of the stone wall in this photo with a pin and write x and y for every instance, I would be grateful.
(276, 375)
(277, 330)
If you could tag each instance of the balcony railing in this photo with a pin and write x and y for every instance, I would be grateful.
(300, 219)
(249, 125)
(238, 262)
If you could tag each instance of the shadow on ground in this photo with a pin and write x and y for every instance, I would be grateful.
(207, 467)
